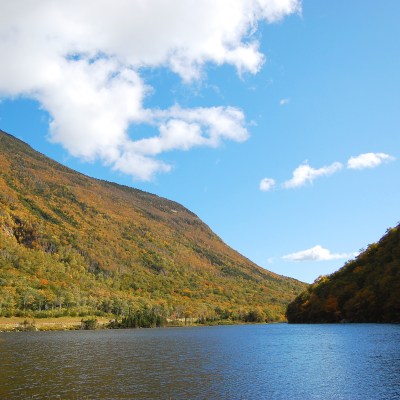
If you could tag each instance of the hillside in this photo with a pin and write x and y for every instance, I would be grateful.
(74, 245)
(366, 289)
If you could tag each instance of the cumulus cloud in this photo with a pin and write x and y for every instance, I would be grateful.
(84, 62)
(304, 174)
(368, 160)
(316, 253)
(180, 129)
(267, 184)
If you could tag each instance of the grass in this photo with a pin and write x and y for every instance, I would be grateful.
(46, 324)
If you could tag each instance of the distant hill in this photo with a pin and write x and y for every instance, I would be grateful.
(366, 289)
(74, 245)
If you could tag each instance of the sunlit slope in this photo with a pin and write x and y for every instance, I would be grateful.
(366, 289)
(74, 244)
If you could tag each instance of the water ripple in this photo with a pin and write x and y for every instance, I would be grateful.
(231, 362)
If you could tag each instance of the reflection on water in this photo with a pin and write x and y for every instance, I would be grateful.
(228, 362)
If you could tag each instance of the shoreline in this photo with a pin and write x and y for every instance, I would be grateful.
(21, 324)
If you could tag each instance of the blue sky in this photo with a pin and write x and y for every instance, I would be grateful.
(201, 113)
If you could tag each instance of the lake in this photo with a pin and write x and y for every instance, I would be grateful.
(277, 361)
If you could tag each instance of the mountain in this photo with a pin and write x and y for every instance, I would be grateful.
(74, 245)
(366, 289)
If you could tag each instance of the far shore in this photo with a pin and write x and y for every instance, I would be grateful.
(23, 324)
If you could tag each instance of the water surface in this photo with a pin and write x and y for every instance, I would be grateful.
(346, 361)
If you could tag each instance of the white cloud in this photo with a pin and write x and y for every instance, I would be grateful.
(267, 184)
(316, 253)
(304, 174)
(180, 129)
(283, 102)
(368, 160)
(83, 62)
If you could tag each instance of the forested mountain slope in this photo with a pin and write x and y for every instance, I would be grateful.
(70, 244)
(366, 289)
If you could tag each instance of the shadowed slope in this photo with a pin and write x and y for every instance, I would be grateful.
(366, 289)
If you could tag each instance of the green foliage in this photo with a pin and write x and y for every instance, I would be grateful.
(89, 324)
(255, 316)
(366, 289)
(144, 318)
(71, 245)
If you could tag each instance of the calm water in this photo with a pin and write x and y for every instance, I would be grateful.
(228, 362)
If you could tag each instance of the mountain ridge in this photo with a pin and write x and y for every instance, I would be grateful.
(74, 244)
